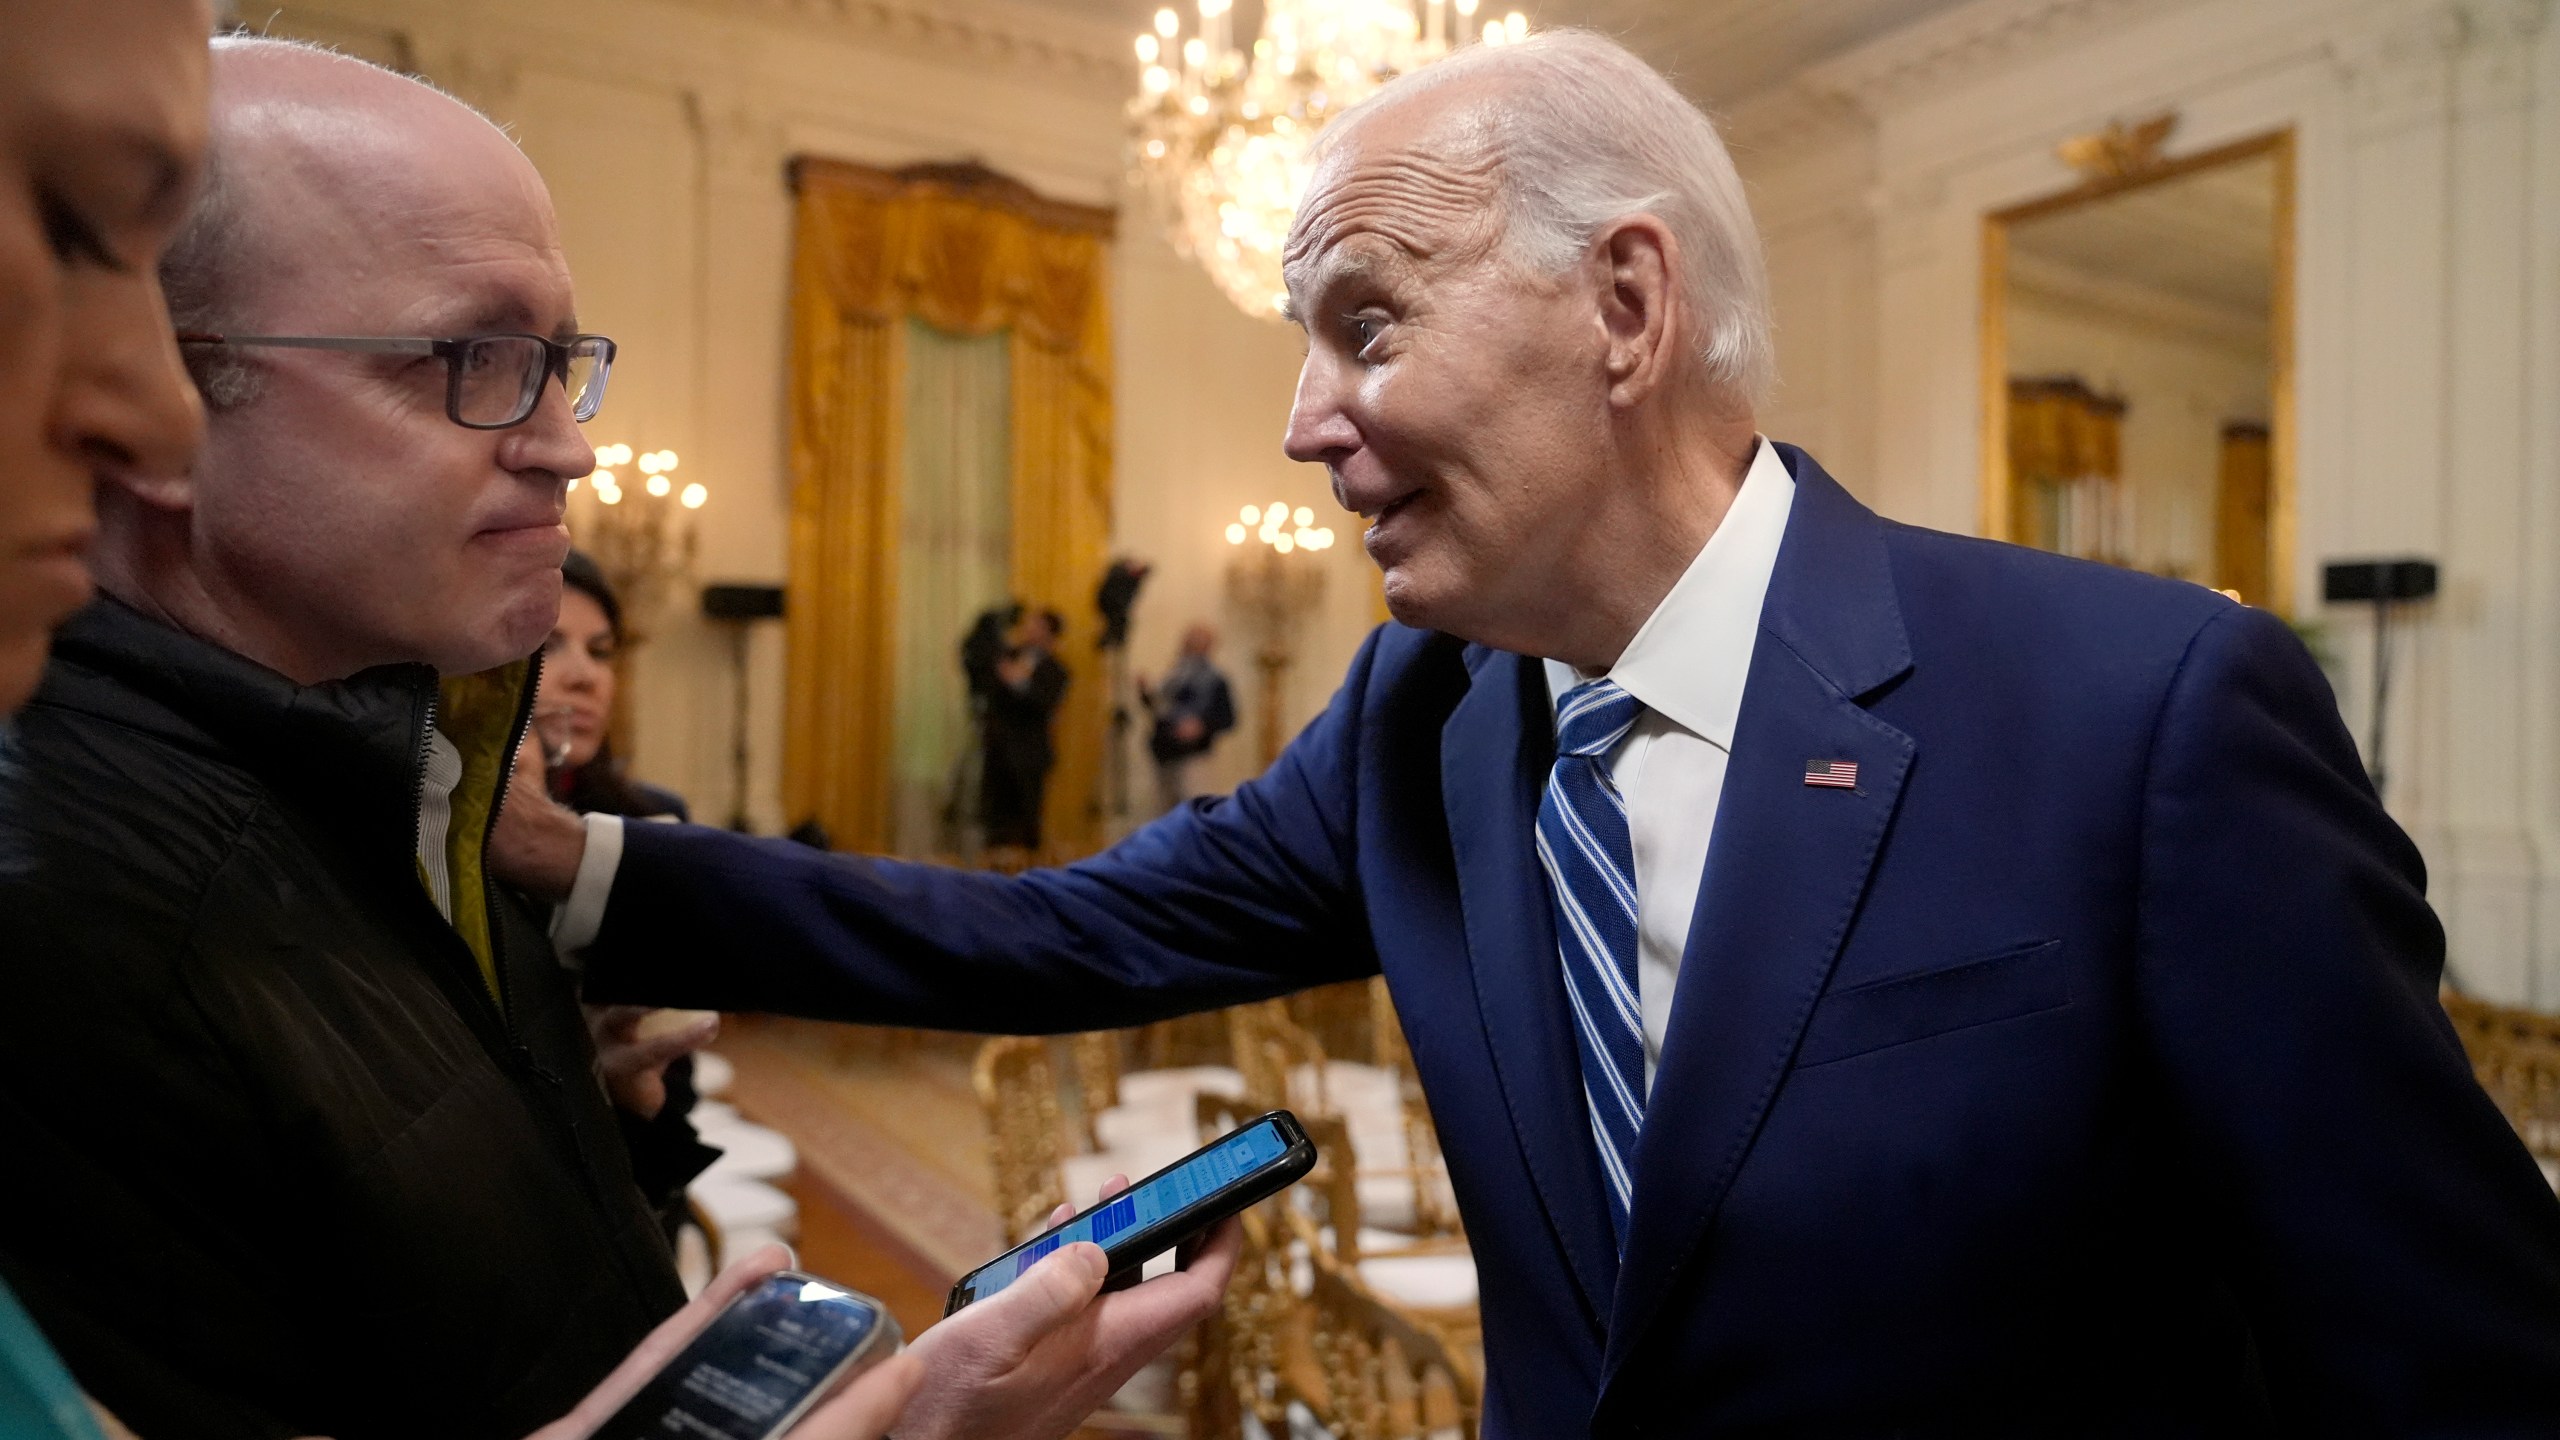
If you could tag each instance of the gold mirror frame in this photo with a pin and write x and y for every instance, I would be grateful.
(1997, 484)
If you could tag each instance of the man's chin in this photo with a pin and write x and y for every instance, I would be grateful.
(503, 636)
(1413, 600)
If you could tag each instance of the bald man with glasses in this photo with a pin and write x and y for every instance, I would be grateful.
(302, 1117)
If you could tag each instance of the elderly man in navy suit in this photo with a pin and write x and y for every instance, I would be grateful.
(1868, 981)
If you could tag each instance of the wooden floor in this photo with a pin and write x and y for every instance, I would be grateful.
(893, 1186)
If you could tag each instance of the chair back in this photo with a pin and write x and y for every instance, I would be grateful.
(1099, 1059)
(2516, 1054)
(1269, 1047)
(1342, 1018)
(1184, 1041)
(1386, 1378)
(1018, 1091)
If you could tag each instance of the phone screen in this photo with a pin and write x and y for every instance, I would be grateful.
(1203, 1175)
(757, 1366)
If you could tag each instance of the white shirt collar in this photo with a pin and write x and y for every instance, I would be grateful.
(1689, 660)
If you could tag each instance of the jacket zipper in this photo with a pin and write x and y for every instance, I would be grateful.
(421, 749)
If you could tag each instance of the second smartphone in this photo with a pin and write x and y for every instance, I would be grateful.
(1239, 1169)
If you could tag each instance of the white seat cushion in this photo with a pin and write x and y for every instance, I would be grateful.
(738, 1245)
(735, 1202)
(1183, 1082)
(1147, 1124)
(1386, 1201)
(711, 1073)
(1424, 1282)
(751, 1152)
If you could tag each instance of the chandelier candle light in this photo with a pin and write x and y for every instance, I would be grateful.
(1272, 583)
(1220, 136)
(645, 543)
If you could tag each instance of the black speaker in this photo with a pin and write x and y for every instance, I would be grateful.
(742, 602)
(2402, 579)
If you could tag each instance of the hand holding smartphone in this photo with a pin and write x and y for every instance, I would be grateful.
(1237, 1170)
(778, 1350)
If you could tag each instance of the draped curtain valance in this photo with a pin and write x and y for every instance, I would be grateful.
(2066, 457)
(970, 253)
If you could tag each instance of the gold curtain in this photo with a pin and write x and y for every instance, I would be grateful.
(2242, 498)
(2065, 457)
(2061, 430)
(970, 253)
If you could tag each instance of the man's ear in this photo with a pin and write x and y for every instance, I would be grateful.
(1639, 265)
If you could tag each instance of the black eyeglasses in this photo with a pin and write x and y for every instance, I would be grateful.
(492, 382)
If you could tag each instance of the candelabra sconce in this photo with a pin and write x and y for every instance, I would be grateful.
(642, 536)
(1274, 582)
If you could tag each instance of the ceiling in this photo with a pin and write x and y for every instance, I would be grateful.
(1720, 51)
(2207, 238)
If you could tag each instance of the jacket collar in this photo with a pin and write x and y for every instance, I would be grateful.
(351, 751)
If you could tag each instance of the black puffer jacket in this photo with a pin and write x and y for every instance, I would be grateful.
(275, 1162)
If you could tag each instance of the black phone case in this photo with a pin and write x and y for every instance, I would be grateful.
(1130, 1251)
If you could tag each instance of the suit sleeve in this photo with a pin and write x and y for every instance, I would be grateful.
(2395, 1248)
(1219, 902)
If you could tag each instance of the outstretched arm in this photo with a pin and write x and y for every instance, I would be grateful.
(1251, 896)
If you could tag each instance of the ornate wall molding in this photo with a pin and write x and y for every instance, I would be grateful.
(1838, 96)
(744, 144)
(1081, 55)
(1961, 44)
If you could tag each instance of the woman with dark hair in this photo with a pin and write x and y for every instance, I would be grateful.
(648, 1065)
(573, 711)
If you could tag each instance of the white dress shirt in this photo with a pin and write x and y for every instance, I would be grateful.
(1687, 665)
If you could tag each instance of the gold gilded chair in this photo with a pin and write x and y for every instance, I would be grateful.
(1385, 1377)
(1342, 1018)
(1018, 1091)
(1270, 1049)
(2516, 1054)
(1098, 1058)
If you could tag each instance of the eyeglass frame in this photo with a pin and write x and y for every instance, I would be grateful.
(556, 357)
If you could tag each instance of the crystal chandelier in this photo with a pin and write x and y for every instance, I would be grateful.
(1220, 136)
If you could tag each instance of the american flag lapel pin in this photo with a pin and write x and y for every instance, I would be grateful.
(1831, 774)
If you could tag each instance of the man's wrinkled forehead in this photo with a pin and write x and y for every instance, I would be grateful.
(1386, 197)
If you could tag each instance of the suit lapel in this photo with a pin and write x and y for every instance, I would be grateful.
(1786, 871)
(1494, 752)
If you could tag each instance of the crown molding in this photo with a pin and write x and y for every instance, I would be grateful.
(1789, 117)
(1847, 93)
(1078, 54)
(1957, 45)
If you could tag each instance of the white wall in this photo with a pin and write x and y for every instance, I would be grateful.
(663, 127)
(2428, 338)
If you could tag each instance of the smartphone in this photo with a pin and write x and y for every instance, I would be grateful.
(1241, 1168)
(778, 1349)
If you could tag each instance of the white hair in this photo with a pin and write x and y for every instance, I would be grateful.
(1579, 133)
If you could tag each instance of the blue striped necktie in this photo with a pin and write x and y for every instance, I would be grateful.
(1591, 875)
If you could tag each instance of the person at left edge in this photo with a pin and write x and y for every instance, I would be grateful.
(309, 1098)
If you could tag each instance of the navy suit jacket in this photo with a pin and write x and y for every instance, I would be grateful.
(2079, 1072)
